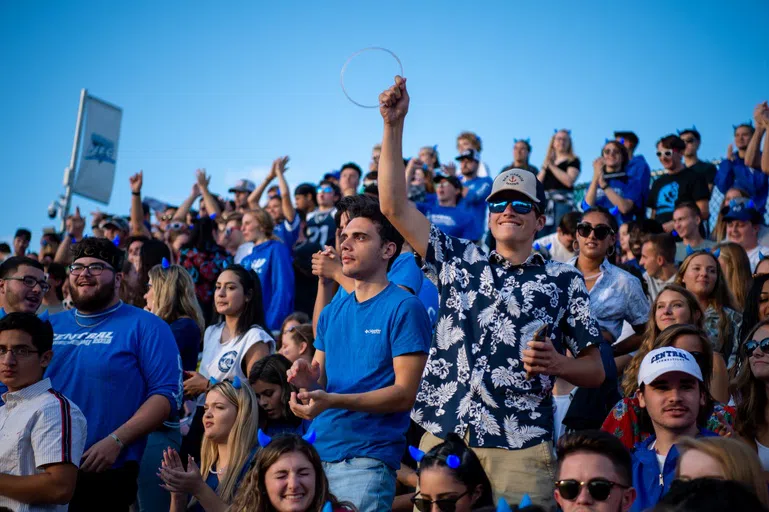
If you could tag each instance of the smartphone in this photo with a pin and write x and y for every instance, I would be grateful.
(542, 333)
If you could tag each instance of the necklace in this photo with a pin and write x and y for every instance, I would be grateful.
(106, 314)
(594, 276)
(219, 471)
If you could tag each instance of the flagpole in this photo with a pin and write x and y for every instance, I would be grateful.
(69, 172)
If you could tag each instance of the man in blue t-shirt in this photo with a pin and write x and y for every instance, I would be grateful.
(447, 214)
(475, 192)
(371, 348)
(121, 366)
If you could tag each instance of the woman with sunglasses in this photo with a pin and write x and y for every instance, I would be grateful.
(271, 260)
(750, 391)
(611, 187)
(558, 174)
(701, 274)
(624, 421)
(722, 458)
(268, 379)
(450, 476)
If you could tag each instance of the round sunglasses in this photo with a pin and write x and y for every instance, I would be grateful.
(601, 231)
(751, 346)
(598, 488)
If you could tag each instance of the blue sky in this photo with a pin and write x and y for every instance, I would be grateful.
(230, 87)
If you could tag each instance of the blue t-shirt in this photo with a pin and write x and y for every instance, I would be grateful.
(272, 262)
(430, 299)
(111, 368)
(188, 338)
(288, 232)
(360, 341)
(478, 189)
(638, 169)
(452, 220)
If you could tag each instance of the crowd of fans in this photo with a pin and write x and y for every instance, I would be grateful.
(419, 335)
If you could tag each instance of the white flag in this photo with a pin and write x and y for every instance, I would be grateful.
(96, 173)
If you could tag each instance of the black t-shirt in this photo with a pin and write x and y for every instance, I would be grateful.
(552, 183)
(671, 189)
(321, 227)
(705, 169)
(306, 284)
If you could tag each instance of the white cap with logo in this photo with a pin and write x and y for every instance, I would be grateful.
(666, 360)
(519, 180)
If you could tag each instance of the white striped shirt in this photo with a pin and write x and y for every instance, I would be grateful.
(38, 427)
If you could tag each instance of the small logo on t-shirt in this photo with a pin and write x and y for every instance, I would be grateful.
(227, 361)
(257, 265)
(373, 331)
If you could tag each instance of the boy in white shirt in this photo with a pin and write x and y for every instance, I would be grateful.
(42, 433)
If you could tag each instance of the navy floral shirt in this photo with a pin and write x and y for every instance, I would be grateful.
(489, 310)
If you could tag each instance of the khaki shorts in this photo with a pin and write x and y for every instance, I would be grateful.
(514, 473)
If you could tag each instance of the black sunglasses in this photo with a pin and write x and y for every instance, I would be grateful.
(444, 505)
(751, 346)
(521, 207)
(599, 488)
(601, 231)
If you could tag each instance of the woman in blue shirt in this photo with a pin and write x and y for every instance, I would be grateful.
(170, 296)
(268, 379)
(611, 187)
(229, 445)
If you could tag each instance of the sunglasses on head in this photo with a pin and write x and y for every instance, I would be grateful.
(444, 505)
(521, 207)
(668, 153)
(601, 231)
(751, 346)
(599, 488)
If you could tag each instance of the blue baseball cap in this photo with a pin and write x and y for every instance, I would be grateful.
(742, 209)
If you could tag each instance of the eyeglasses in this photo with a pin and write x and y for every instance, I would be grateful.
(608, 152)
(444, 505)
(689, 141)
(30, 282)
(667, 153)
(599, 488)
(166, 217)
(327, 190)
(601, 231)
(521, 207)
(752, 345)
(18, 352)
(95, 269)
(177, 226)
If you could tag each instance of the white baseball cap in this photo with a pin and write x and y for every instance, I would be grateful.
(665, 360)
(519, 180)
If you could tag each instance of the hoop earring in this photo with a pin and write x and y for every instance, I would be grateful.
(575, 246)
(613, 250)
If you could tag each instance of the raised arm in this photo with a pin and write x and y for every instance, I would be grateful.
(212, 205)
(753, 151)
(184, 208)
(137, 209)
(279, 166)
(75, 225)
(393, 200)
(256, 196)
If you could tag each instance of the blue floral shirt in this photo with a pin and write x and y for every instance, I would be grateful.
(616, 296)
(489, 310)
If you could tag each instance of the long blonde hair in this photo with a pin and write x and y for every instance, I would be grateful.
(175, 295)
(651, 335)
(241, 440)
(737, 460)
(569, 150)
(736, 271)
(720, 298)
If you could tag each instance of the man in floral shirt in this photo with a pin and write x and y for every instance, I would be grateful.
(486, 379)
